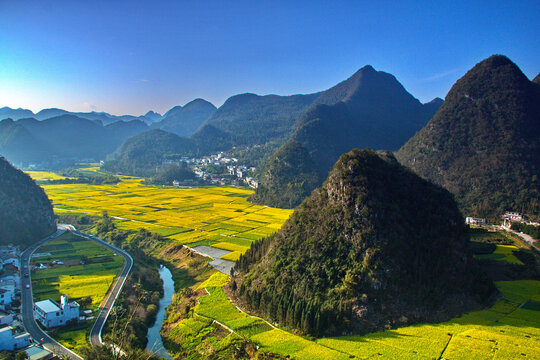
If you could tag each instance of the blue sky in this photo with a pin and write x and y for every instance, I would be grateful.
(127, 57)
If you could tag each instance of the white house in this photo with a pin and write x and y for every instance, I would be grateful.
(475, 221)
(51, 314)
(11, 340)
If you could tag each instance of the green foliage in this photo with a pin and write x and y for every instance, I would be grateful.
(288, 178)
(184, 121)
(26, 214)
(532, 230)
(374, 237)
(166, 175)
(483, 143)
(141, 154)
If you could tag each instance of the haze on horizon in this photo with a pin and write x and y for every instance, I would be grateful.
(131, 57)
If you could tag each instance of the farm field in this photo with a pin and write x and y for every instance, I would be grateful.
(44, 175)
(510, 329)
(220, 217)
(88, 284)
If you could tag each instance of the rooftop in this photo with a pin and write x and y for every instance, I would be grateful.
(47, 306)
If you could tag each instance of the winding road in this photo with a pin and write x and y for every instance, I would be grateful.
(27, 312)
(95, 333)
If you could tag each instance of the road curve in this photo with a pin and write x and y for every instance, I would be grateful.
(27, 302)
(95, 333)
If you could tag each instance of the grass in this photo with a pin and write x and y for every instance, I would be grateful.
(503, 253)
(91, 279)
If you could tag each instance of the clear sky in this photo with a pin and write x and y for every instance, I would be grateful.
(127, 57)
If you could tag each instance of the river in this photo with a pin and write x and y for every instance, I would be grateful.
(155, 344)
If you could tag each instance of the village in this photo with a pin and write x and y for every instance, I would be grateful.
(48, 313)
(216, 169)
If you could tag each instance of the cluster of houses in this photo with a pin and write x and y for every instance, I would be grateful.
(13, 336)
(237, 174)
(49, 313)
(508, 218)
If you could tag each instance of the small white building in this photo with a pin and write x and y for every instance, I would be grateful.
(11, 340)
(51, 314)
(475, 221)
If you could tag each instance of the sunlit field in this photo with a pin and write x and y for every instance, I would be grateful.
(215, 216)
(79, 281)
(44, 175)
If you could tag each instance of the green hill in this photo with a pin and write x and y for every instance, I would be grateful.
(26, 214)
(375, 246)
(141, 154)
(288, 177)
(483, 143)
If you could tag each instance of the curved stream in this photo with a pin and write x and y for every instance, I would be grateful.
(155, 344)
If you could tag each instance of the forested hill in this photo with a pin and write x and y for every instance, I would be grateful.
(140, 154)
(370, 109)
(483, 144)
(253, 119)
(26, 214)
(375, 246)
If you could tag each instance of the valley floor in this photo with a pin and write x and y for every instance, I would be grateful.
(223, 219)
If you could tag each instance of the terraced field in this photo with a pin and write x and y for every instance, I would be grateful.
(510, 329)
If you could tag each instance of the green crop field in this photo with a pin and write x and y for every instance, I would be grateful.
(79, 281)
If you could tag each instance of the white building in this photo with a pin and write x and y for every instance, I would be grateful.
(11, 340)
(475, 221)
(51, 314)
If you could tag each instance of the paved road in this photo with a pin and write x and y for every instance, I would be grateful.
(95, 333)
(27, 308)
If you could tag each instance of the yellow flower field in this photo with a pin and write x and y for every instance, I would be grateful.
(214, 216)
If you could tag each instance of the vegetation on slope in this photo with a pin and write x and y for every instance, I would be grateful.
(289, 177)
(141, 154)
(483, 143)
(184, 121)
(26, 214)
(375, 246)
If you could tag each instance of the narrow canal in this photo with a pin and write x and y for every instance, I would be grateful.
(155, 344)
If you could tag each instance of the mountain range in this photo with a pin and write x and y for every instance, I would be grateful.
(371, 109)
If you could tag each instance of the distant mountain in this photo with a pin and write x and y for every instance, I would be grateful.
(26, 214)
(151, 117)
(63, 137)
(483, 144)
(375, 247)
(184, 121)
(49, 113)
(370, 109)
(15, 114)
(141, 154)
(19, 145)
(252, 119)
